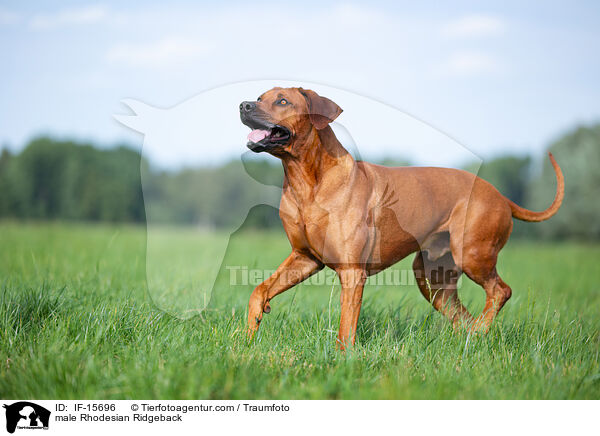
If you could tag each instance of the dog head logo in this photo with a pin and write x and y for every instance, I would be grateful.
(26, 415)
(182, 270)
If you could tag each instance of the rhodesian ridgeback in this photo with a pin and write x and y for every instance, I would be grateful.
(359, 218)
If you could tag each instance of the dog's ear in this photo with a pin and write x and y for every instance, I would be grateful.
(321, 110)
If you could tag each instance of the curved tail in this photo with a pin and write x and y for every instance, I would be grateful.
(528, 215)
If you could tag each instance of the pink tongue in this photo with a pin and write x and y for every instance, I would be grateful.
(257, 135)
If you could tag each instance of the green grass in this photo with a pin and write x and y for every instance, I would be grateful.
(76, 321)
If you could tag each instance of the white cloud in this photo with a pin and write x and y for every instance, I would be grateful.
(66, 17)
(173, 49)
(473, 26)
(352, 15)
(8, 17)
(471, 64)
(226, 34)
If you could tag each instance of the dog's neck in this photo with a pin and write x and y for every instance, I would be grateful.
(321, 155)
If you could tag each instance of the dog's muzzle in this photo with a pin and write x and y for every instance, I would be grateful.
(264, 134)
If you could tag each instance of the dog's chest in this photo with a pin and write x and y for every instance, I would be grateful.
(313, 223)
(306, 226)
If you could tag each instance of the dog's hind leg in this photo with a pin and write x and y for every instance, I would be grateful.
(437, 281)
(487, 232)
(497, 292)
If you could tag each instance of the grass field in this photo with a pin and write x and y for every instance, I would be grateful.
(76, 321)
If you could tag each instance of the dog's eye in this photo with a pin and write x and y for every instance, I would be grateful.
(258, 99)
(282, 102)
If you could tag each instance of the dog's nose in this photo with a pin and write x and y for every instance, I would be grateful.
(247, 106)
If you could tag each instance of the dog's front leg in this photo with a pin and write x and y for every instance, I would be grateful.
(296, 268)
(353, 282)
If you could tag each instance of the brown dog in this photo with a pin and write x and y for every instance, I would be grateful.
(359, 218)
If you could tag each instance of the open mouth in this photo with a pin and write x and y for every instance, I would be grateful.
(265, 134)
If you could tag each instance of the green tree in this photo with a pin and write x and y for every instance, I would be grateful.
(65, 180)
(578, 154)
(6, 200)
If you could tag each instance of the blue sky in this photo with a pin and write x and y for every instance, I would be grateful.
(498, 77)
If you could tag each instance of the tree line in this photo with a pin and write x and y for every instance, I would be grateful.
(66, 180)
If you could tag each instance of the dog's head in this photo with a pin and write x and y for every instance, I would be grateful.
(283, 117)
